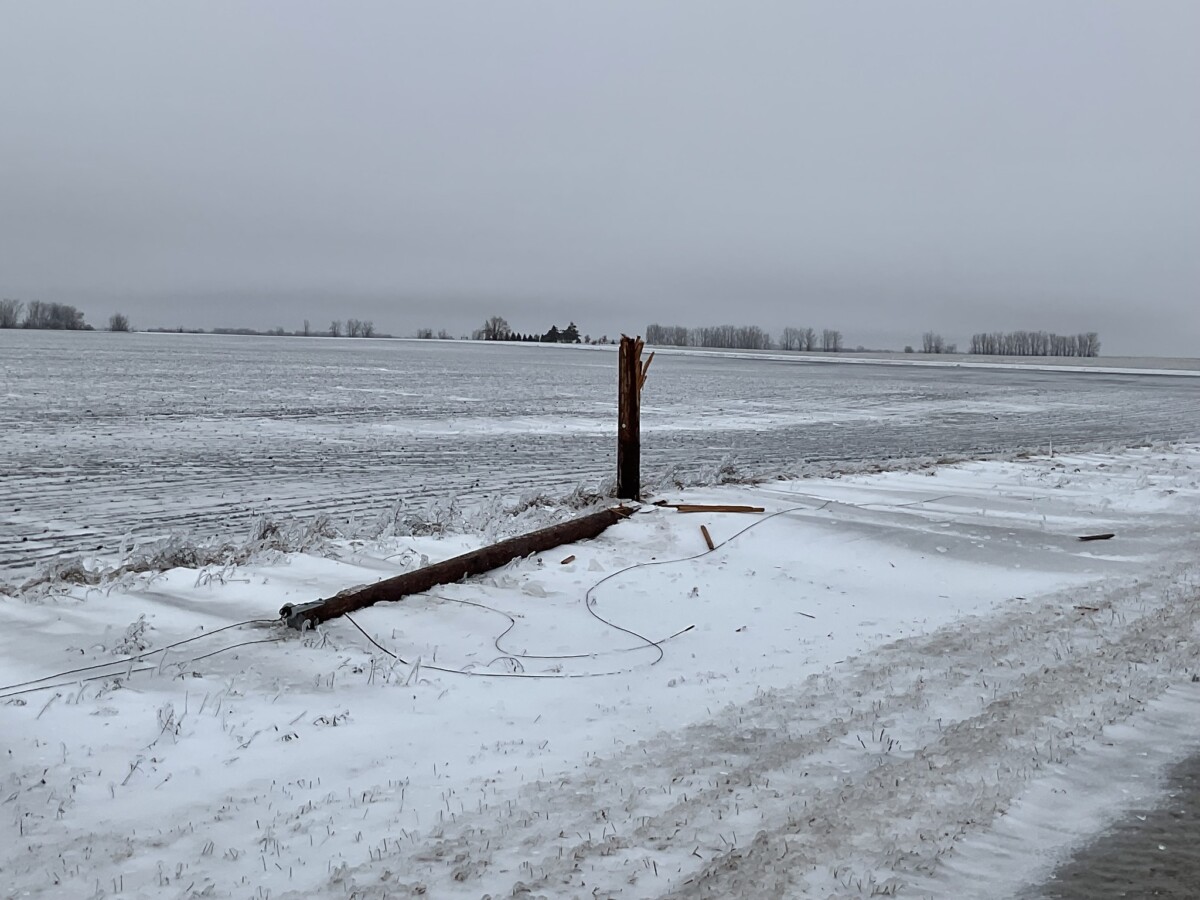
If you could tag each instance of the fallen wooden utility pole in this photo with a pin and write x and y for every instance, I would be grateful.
(712, 508)
(451, 570)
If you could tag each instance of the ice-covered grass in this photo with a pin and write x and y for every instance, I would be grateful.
(895, 683)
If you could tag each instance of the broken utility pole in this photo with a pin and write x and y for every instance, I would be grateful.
(631, 376)
(476, 562)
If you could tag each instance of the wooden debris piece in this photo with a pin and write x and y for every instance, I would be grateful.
(1096, 537)
(713, 508)
(570, 559)
(707, 537)
(644, 368)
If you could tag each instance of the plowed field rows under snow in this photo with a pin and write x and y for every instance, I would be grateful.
(106, 435)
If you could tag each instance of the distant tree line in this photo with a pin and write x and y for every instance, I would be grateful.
(743, 337)
(350, 328)
(10, 313)
(1017, 343)
(798, 339)
(932, 342)
(496, 328)
(737, 337)
(1035, 343)
(36, 314)
(831, 340)
(353, 328)
(568, 335)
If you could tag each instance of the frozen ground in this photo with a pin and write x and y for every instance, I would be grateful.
(103, 436)
(915, 684)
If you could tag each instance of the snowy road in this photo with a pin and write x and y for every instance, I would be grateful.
(917, 684)
(106, 435)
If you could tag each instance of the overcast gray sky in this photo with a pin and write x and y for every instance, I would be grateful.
(881, 168)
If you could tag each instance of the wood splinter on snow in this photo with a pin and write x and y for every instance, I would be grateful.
(570, 559)
(712, 508)
(1096, 537)
(707, 537)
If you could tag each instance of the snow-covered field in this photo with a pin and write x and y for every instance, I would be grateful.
(910, 683)
(104, 436)
(1111, 365)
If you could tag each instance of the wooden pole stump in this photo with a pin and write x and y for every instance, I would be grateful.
(630, 377)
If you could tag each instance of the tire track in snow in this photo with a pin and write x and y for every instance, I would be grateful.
(965, 778)
(752, 804)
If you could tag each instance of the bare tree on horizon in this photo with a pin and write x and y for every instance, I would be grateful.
(496, 328)
(10, 313)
